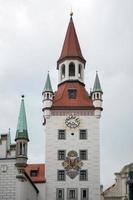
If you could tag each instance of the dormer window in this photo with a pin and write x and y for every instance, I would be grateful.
(33, 173)
(71, 69)
(72, 93)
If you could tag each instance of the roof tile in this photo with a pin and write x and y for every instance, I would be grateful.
(61, 98)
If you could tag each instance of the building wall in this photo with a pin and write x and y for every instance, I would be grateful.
(91, 123)
(12, 154)
(12, 188)
(3, 148)
(8, 173)
(25, 191)
(42, 191)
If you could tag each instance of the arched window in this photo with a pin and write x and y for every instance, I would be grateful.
(20, 148)
(17, 149)
(71, 69)
(79, 71)
(47, 95)
(97, 95)
(62, 71)
(24, 149)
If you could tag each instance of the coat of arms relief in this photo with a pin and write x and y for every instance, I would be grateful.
(72, 164)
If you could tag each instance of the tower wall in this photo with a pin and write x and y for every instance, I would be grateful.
(72, 142)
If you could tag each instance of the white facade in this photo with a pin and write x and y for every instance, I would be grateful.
(72, 142)
(42, 191)
(25, 190)
(8, 174)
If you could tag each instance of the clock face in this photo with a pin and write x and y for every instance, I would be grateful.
(72, 121)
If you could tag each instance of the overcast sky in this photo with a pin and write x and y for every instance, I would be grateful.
(31, 37)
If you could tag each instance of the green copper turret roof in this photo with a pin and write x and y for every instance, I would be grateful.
(97, 86)
(48, 87)
(22, 132)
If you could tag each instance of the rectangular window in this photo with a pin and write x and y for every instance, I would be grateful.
(83, 155)
(60, 194)
(83, 175)
(84, 194)
(72, 194)
(83, 134)
(72, 93)
(61, 175)
(61, 155)
(61, 134)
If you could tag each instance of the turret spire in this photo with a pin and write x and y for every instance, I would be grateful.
(97, 85)
(22, 132)
(71, 48)
(47, 97)
(48, 87)
(97, 96)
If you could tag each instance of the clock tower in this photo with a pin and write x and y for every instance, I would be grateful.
(71, 120)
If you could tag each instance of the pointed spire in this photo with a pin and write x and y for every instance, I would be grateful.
(97, 85)
(48, 87)
(22, 132)
(71, 47)
(8, 140)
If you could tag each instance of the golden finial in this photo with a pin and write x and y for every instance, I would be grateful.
(71, 13)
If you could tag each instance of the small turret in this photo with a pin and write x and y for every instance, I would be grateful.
(97, 96)
(71, 62)
(21, 138)
(47, 97)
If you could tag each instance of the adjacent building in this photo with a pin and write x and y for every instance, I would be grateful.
(122, 189)
(17, 179)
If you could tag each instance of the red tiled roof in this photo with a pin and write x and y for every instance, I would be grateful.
(62, 100)
(40, 168)
(71, 47)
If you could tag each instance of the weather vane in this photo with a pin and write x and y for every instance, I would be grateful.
(71, 13)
